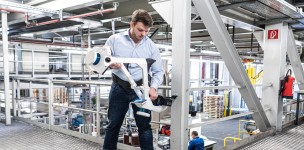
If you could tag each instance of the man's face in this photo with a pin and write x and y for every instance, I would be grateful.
(139, 30)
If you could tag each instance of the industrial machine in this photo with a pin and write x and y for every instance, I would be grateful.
(99, 60)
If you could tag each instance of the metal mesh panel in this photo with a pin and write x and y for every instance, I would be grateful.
(260, 9)
(291, 139)
(20, 136)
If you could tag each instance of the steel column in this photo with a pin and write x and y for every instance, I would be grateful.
(31, 99)
(50, 97)
(18, 98)
(217, 30)
(14, 97)
(295, 60)
(6, 67)
(180, 73)
(33, 64)
(274, 70)
(98, 110)
(69, 65)
(113, 26)
(82, 53)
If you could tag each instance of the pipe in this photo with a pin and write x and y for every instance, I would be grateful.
(78, 16)
(68, 18)
(92, 13)
(41, 42)
(11, 10)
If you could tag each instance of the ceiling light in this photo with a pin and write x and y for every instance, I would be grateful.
(210, 52)
(198, 30)
(193, 42)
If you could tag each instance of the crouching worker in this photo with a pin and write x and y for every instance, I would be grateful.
(196, 143)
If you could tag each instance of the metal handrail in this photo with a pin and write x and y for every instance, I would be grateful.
(230, 138)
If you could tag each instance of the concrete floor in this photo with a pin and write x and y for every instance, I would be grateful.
(218, 131)
(21, 136)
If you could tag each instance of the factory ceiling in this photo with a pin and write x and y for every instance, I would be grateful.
(79, 17)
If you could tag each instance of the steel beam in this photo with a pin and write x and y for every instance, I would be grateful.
(51, 98)
(14, 97)
(18, 98)
(295, 60)
(180, 73)
(97, 110)
(274, 70)
(6, 67)
(217, 30)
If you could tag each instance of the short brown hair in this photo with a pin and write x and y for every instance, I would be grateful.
(194, 133)
(143, 16)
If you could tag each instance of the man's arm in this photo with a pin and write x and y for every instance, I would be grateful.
(110, 43)
(156, 68)
(157, 72)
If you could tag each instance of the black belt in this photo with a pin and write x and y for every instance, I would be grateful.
(124, 84)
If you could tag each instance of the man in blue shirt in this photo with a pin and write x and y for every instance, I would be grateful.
(133, 43)
(196, 143)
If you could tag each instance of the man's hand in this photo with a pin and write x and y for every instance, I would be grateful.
(115, 65)
(153, 94)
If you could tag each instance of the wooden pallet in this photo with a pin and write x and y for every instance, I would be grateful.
(213, 106)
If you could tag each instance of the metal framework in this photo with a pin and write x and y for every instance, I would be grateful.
(274, 70)
(31, 9)
(295, 59)
(217, 30)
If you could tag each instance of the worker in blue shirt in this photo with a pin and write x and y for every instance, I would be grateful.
(196, 143)
(132, 43)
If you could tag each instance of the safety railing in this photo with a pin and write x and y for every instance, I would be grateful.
(50, 118)
(234, 139)
(240, 131)
(58, 62)
(51, 105)
(290, 110)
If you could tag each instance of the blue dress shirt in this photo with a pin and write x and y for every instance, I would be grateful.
(122, 45)
(196, 144)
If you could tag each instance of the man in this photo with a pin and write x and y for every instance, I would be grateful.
(133, 43)
(196, 143)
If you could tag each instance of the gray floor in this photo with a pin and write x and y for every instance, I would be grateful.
(23, 136)
(218, 131)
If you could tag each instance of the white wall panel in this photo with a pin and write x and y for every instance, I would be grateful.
(41, 59)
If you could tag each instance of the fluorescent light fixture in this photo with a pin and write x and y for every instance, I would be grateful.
(203, 60)
(193, 42)
(163, 46)
(63, 4)
(27, 34)
(198, 30)
(36, 2)
(192, 50)
(210, 52)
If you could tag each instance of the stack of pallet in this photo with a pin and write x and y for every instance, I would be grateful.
(213, 105)
(60, 95)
